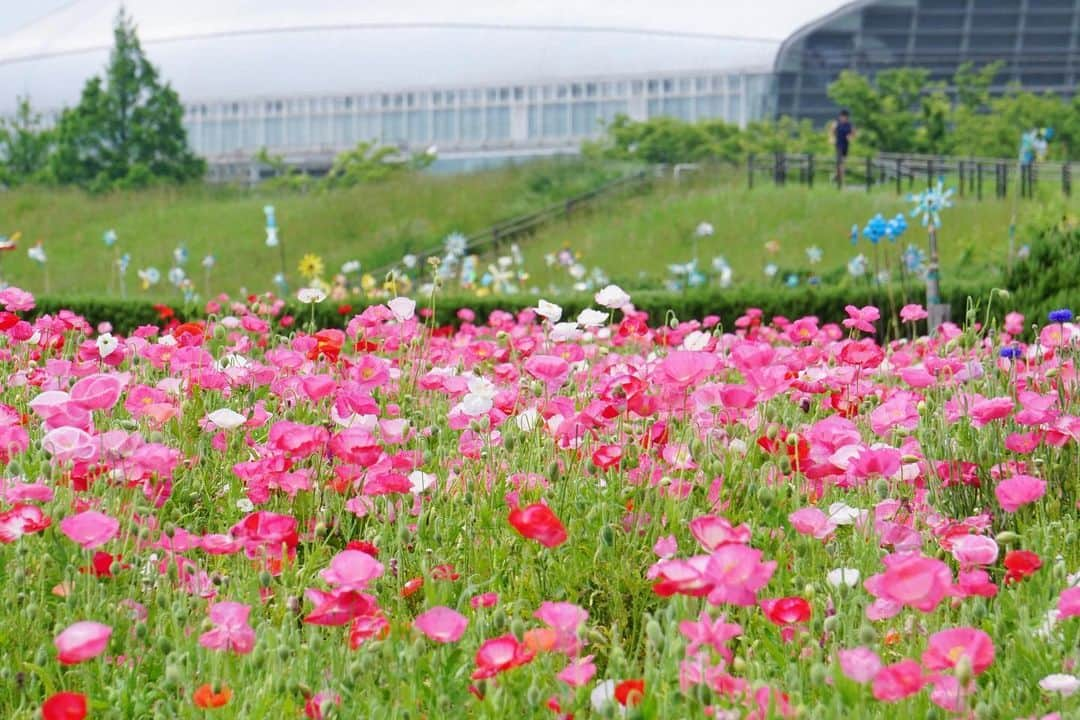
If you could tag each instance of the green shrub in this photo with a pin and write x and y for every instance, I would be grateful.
(1047, 279)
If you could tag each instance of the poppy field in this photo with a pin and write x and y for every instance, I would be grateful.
(536, 516)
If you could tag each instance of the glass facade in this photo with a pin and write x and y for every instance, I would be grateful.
(489, 119)
(1038, 42)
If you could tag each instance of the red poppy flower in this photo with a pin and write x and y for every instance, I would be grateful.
(537, 522)
(630, 692)
(1021, 564)
(206, 698)
(444, 572)
(363, 546)
(64, 706)
(344, 310)
(164, 312)
(412, 586)
(786, 610)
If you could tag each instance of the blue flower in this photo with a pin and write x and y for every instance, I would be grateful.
(1010, 353)
(1060, 316)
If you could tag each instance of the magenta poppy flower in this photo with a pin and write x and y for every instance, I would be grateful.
(579, 672)
(895, 682)
(352, 570)
(713, 532)
(82, 641)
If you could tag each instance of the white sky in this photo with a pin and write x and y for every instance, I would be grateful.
(234, 49)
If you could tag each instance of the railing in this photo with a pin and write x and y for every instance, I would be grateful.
(493, 237)
(972, 175)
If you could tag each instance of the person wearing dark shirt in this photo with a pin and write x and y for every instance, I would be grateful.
(843, 132)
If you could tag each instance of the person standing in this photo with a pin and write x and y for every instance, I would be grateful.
(843, 132)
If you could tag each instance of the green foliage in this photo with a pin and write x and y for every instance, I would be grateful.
(24, 146)
(1046, 279)
(127, 129)
(826, 302)
(369, 162)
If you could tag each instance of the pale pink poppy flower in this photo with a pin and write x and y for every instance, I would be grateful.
(565, 619)
(812, 521)
(860, 664)
(1019, 490)
(69, 444)
(82, 641)
(709, 632)
(441, 624)
(1069, 603)
(231, 630)
(971, 550)
(97, 392)
(579, 672)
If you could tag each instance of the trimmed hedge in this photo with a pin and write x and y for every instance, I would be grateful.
(827, 303)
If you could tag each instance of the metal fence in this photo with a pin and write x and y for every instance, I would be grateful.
(974, 176)
(492, 238)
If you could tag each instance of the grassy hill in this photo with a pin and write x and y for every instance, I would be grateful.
(632, 237)
(635, 238)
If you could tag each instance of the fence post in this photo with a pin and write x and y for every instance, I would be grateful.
(899, 178)
(1066, 178)
(978, 181)
(869, 173)
(960, 172)
(930, 172)
(750, 171)
(810, 170)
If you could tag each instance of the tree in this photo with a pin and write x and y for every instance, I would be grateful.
(127, 129)
(883, 110)
(24, 146)
(368, 162)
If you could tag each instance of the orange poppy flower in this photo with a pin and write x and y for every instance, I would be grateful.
(540, 640)
(206, 698)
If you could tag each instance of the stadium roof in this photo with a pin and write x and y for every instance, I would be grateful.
(226, 49)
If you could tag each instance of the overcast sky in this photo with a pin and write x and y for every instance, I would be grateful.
(16, 13)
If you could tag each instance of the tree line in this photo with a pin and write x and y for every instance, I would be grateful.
(899, 110)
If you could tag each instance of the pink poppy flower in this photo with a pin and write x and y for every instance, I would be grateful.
(812, 521)
(579, 672)
(231, 630)
(1019, 490)
(441, 624)
(910, 579)
(70, 444)
(488, 599)
(90, 529)
(551, 370)
(898, 681)
(352, 570)
(861, 318)
(713, 532)
(913, 313)
(565, 619)
(971, 550)
(1069, 603)
(713, 633)
(737, 573)
(498, 655)
(82, 641)
(97, 392)
(946, 647)
(1014, 323)
(860, 664)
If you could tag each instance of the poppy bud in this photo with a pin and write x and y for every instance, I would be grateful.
(655, 634)
(818, 673)
(881, 488)
(772, 431)
(867, 635)
(738, 665)
(517, 627)
(1006, 537)
(983, 711)
(265, 579)
(832, 623)
(765, 495)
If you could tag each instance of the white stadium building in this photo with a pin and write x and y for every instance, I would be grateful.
(481, 80)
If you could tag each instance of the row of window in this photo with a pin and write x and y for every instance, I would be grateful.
(556, 121)
(476, 96)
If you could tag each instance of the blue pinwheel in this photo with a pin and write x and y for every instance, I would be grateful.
(930, 202)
